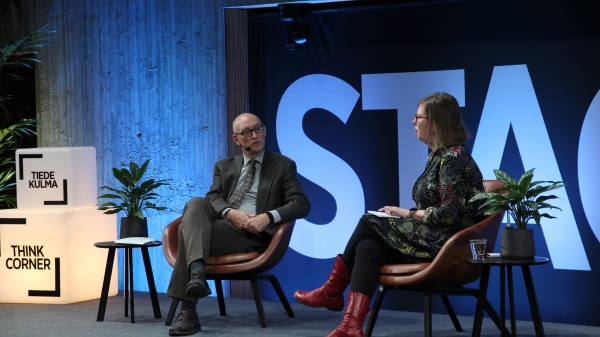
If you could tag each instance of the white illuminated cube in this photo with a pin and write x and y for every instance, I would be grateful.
(34, 242)
(56, 177)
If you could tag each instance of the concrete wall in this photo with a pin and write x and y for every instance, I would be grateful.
(137, 80)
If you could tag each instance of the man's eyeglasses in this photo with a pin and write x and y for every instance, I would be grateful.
(417, 117)
(248, 133)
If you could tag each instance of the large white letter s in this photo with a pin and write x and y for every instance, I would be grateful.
(319, 165)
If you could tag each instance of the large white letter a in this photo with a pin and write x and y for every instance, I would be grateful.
(511, 100)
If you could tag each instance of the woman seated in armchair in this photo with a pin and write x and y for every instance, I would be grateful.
(450, 179)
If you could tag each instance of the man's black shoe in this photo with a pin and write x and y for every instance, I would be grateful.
(187, 323)
(197, 287)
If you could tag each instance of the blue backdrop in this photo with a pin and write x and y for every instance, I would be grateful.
(527, 77)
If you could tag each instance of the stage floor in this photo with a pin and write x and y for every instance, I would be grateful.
(79, 319)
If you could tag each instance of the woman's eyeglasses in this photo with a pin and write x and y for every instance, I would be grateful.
(417, 117)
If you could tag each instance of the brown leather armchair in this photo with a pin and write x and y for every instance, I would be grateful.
(242, 266)
(446, 274)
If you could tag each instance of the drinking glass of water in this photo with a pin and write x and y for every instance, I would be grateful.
(478, 248)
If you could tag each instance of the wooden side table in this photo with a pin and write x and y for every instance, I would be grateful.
(486, 264)
(112, 247)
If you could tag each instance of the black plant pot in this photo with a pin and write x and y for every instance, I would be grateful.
(133, 227)
(517, 244)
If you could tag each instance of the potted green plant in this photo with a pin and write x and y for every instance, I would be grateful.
(15, 55)
(135, 197)
(8, 144)
(523, 201)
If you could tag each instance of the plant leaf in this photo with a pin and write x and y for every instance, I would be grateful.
(525, 181)
(504, 177)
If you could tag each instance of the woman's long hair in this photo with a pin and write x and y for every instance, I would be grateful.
(444, 114)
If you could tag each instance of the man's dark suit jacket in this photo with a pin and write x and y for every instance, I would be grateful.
(278, 188)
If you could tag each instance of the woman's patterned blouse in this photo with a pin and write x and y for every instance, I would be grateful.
(451, 178)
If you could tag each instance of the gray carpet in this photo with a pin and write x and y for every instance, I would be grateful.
(79, 319)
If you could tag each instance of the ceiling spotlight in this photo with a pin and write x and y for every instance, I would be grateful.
(296, 28)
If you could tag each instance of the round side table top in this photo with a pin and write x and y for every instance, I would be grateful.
(112, 244)
(499, 261)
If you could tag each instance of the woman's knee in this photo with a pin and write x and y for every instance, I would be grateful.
(364, 247)
(370, 250)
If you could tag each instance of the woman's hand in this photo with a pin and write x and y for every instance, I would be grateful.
(403, 212)
(394, 210)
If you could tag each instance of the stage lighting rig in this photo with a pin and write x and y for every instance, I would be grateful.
(296, 28)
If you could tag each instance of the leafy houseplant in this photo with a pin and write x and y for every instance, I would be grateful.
(523, 201)
(135, 197)
(18, 51)
(8, 144)
(16, 55)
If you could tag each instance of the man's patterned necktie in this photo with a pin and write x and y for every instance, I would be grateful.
(236, 198)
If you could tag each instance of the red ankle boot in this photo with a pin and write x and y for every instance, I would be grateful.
(354, 316)
(331, 294)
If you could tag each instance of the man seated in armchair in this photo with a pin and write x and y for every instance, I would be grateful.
(250, 195)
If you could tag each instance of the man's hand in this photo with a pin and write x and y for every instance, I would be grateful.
(238, 217)
(257, 223)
